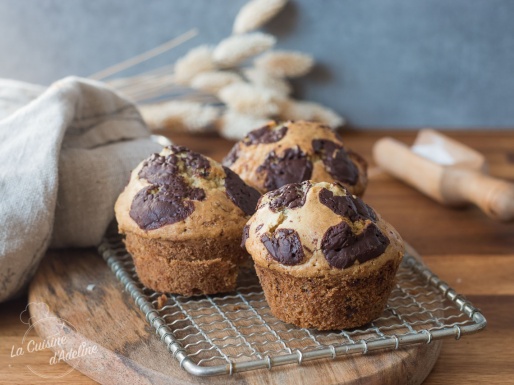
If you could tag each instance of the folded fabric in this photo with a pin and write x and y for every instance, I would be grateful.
(65, 155)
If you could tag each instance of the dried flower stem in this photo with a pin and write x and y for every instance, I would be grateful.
(145, 55)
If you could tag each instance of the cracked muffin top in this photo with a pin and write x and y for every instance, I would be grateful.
(317, 229)
(181, 194)
(291, 152)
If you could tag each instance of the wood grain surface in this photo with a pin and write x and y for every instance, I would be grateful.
(471, 252)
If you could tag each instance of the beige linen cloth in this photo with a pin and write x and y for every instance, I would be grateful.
(65, 154)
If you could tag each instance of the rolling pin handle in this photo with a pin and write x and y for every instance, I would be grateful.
(397, 159)
(494, 196)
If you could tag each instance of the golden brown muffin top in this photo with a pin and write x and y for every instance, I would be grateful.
(316, 229)
(180, 194)
(291, 152)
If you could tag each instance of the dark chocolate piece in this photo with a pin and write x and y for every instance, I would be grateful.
(176, 149)
(337, 162)
(291, 196)
(347, 206)
(193, 160)
(196, 194)
(342, 247)
(266, 134)
(243, 196)
(356, 158)
(371, 243)
(292, 167)
(198, 163)
(166, 201)
(155, 206)
(284, 246)
(246, 234)
(232, 156)
(161, 170)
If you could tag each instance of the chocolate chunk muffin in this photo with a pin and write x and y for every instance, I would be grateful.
(325, 259)
(291, 152)
(182, 215)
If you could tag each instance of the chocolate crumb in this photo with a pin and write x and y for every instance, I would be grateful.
(161, 301)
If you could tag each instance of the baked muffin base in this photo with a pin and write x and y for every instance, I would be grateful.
(328, 303)
(193, 267)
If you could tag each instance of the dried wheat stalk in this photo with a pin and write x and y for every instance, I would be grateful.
(288, 64)
(255, 14)
(234, 50)
(180, 116)
(145, 55)
(214, 81)
(197, 60)
(251, 100)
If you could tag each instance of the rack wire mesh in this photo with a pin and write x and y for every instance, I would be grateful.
(234, 332)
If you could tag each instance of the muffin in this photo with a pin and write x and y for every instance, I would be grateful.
(182, 215)
(324, 258)
(291, 152)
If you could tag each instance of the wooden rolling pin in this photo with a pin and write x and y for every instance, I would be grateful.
(447, 171)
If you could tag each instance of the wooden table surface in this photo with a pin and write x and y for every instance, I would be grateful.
(473, 253)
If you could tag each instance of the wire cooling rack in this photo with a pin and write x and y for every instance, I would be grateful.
(235, 332)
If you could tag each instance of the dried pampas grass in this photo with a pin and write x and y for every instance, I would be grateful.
(233, 125)
(256, 13)
(180, 116)
(248, 99)
(197, 60)
(214, 81)
(288, 64)
(298, 110)
(250, 96)
(234, 50)
(263, 79)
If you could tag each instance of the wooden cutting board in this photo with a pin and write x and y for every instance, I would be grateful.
(128, 351)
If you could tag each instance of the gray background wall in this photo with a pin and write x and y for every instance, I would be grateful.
(381, 63)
